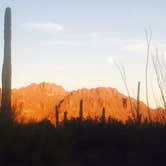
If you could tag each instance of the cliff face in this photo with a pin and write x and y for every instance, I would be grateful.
(117, 105)
(37, 102)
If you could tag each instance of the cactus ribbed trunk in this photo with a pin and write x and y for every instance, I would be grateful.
(6, 70)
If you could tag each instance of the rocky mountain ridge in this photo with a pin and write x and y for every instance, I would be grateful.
(37, 102)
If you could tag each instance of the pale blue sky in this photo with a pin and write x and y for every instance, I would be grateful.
(73, 42)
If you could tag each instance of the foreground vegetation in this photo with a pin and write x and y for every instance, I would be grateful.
(82, 143)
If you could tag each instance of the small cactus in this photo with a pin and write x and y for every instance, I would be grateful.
(57, 116)
(103, 115)
(138, 118)
(65, 117)
(81, 110)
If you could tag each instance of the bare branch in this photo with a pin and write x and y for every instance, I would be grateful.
(122, 72)
(148, 34)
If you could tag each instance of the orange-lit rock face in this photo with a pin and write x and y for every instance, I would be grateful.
(37, 102)
(117, 106)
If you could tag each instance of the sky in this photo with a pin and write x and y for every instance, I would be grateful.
(75, 43)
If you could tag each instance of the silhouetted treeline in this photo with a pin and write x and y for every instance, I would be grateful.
(83, 143)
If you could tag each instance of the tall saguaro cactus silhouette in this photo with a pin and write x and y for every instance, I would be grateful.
(6, 69)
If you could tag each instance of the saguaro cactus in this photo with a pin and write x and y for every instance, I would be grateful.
(65, 117)
(81, 110)
(6, 69)
(138, 104)
(103, 115)
(57, 116)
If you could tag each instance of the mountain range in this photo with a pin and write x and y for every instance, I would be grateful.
(37, 102)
